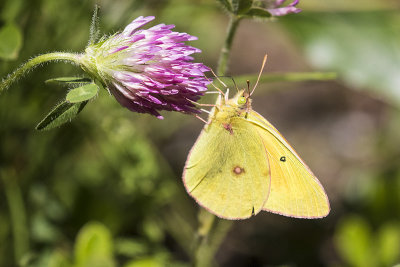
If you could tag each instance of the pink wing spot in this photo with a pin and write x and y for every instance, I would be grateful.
(238, 170)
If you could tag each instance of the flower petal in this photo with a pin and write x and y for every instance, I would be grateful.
(149, 70)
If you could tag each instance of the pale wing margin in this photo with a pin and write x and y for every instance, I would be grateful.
(295, 191)
(209, 177)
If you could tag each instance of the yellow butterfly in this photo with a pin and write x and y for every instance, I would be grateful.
(240, 165)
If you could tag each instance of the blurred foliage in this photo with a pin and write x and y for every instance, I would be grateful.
(245, 8)
(94, 246)
(363, 47)
(11, 37)
(107, 185)
(10, 33)
(360, 246)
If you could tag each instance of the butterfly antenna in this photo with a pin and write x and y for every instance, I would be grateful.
(259, 75)
(248, 87)
(233, 80)
(227, 95)
(206, 111)
(200, 104)
(219, 81)
(219, 90)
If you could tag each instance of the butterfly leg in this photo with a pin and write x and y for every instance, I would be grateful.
(200, 118)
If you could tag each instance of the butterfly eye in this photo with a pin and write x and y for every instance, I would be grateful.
(242, 100)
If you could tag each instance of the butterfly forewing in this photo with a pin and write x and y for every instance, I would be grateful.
(227, 170)
(295, 191)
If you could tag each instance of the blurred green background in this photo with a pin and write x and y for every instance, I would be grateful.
(106, 190)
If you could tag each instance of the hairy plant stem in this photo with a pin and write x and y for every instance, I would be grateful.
(34, 62)
(211, 230)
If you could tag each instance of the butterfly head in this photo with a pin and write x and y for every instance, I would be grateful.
(242, 100)
(238, 105)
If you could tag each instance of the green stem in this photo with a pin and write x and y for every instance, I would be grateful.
(17, 214)
(212, 231)
(226, 49)
(25, 68)
(288, 77)
(210, 234)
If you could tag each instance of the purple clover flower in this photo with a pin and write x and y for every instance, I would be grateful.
(148, 70)
(276, 8)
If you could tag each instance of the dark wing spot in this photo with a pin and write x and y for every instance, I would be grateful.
(238, 170)
(252, 212)
(283, 159)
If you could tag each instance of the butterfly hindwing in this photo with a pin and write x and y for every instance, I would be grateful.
(227, 170)
(295, 191)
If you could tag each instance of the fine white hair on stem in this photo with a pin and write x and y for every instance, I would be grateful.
(233, 80)
(34, 62)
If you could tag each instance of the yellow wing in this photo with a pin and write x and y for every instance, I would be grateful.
(295, 191)
(227, 170)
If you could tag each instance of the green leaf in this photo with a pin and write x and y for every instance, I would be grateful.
(153, 231)
(49, 258)
(240, 7)
(257, 12)
(235, 5)
(244, 6)
(388, 244)
(354, 242)
(82, 93)
(146, 262)
(69, 80)
(61, 114)
(10, 41)
(94, 246)
(226, 4)
(131, 247)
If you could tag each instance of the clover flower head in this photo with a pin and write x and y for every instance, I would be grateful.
(148, 70)
(277, 8)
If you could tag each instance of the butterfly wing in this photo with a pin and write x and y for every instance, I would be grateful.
(227, 170)
(295, 191)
